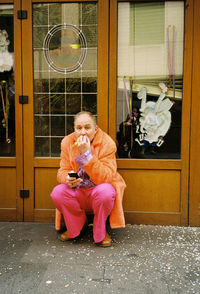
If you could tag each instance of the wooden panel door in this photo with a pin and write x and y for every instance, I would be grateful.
(157, 185)
(11, 148)
(65, 70)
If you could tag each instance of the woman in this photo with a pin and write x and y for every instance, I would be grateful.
(91, 153)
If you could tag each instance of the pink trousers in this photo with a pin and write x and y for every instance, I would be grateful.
(73, 204)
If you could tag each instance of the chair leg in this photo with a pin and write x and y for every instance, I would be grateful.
(58, 220)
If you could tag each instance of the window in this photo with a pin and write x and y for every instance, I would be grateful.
(7, 81)
(65, 70)
(150, 79)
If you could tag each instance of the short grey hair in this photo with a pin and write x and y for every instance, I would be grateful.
(87, 113)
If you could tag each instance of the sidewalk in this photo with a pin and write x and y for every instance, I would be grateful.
(141, 260)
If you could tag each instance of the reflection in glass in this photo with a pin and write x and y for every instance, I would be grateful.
(58, 125)
(73, 85)
(73, 103)
(41, 104)
(40, 15)
(70, 124)
(57, 103)
(90, 103)
(41, 125)
(90, 63)
(41, 83)
(90, 85)
(55, 146)
(7, 88)
(150, 79)
(39, 36)
(57, 84)
(42, 147)
(55, 14)
(89, 14)
(66, 83)
(90, 33)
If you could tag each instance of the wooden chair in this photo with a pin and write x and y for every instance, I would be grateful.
(58, 220)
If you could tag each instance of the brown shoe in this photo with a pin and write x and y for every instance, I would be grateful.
(106, 241)
(64, 237)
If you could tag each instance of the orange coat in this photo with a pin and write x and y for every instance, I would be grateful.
(102, 168)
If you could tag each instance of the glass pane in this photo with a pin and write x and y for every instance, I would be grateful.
(65, 69)
(7, 87)
(150, 79)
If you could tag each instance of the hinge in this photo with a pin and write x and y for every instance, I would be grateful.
(23, 99)
(24, 193)
(22, 14)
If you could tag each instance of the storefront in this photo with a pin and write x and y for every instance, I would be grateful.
(133, 64)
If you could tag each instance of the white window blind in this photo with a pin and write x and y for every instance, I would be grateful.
(143, 39)
(147, 22)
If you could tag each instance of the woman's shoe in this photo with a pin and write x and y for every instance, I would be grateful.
(106, 241)
(64, 237)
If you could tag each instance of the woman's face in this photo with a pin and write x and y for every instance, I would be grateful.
(85, 126)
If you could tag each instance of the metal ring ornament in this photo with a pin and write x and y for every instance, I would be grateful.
(82, 45)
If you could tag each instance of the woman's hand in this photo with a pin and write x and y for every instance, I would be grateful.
(73, 182)
(83, 144)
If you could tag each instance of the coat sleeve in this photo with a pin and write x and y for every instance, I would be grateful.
(102, 168)
(65, 165)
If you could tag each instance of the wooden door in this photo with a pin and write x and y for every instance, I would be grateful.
(65, 70)
(11, 148)
(157, 185)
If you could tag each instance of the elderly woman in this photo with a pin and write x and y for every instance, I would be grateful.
(97, 187)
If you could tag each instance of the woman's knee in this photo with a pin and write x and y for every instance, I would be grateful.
(58, 191)
(105, 193)
(107, 190)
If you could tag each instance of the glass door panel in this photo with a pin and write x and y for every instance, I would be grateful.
(7, 88)
(65, 70)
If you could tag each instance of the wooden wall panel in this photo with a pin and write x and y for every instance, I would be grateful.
(151, 190)
(8, 187)
(45, 181)
(8, 215)
(150, 218)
